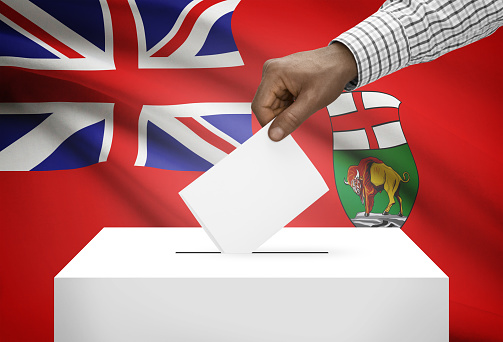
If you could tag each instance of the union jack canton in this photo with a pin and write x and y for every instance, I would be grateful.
(77, 36)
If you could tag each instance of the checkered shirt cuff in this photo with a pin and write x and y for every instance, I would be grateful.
(379, 45)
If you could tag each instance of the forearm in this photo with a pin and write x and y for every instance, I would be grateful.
(403, 33)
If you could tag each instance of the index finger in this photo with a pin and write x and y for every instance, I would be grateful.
(262, 104)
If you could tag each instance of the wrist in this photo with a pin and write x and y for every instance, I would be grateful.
(343, 62)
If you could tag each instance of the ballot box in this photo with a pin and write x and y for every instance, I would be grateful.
(304, 284)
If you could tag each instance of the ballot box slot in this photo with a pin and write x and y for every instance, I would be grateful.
(292, 252)
(198, 252)
(260, 252)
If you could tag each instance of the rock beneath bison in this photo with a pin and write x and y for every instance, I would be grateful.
(378, 220)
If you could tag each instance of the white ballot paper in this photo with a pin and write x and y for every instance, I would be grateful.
(254, 192)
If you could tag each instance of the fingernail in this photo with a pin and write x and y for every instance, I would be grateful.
(276, 133)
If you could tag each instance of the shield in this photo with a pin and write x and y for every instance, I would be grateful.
(375, 174)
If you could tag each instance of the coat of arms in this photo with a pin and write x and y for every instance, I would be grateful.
(375, 173)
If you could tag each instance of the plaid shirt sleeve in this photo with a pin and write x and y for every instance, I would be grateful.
(406, 32)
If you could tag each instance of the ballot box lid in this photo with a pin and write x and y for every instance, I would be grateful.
(292, 253)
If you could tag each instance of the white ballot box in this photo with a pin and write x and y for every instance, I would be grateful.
(304, 284)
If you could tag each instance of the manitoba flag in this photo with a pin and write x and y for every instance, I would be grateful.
(108, 108)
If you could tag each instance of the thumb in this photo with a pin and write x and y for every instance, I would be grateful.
(287, 121)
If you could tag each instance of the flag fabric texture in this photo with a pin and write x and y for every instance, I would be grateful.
(54, 136)
(108, 108)
(192, 136)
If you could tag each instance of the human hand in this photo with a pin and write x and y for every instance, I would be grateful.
(296, 86)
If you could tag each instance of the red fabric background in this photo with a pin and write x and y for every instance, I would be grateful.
(450, 113)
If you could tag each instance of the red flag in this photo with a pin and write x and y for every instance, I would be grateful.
(449, 113)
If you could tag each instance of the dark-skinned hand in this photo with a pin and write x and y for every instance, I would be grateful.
(296, 86)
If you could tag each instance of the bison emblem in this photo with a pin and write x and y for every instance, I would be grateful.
(371, 176)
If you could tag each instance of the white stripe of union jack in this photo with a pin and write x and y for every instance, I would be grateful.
(71, 50)
(64, 120)
(191, 134)
(179, 48)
